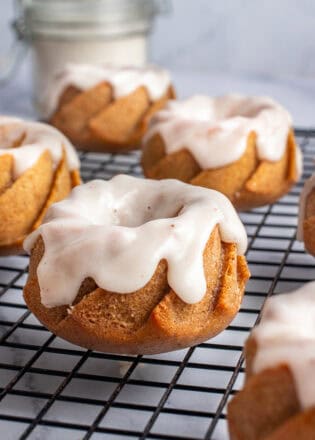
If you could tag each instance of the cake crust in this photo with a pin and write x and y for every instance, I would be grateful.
(153, 319)
(267, 401)
(34, 173)
(277, 400)
(267, 408)
(23, 211)
(93, 120)
(309, 223)
(247, 182)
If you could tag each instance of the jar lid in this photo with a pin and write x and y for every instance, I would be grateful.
(43, 16)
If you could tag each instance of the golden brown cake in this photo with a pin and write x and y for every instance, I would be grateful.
(306, 226)
(38, 166)
(241, 146)
(103, 108)
(143, 266)
(277, 401)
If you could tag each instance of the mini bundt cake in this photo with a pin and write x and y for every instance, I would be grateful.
(306, 225)
(103, 108)
(278, 398)
(38, 166)
(137, 266)
(241, 146)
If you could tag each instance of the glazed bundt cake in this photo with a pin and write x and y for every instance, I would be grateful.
(306, 225)
(104, 108)
(38, 166)
(278, 398)
(241, 146)
(137, 266)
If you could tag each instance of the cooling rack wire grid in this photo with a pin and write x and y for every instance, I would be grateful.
(50, 389)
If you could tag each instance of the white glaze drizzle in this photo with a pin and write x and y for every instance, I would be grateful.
(124, 80)
(215, 130)
(286, 335)
(308, 187)
(38, 137)
(118, 231)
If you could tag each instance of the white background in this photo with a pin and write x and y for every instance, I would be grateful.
(214, 47)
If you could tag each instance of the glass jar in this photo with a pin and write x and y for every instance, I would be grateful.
(85, 31)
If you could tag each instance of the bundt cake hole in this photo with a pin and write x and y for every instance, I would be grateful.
(155, 209)
(251, 112)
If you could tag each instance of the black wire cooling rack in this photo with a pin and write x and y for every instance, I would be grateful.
(50, 389)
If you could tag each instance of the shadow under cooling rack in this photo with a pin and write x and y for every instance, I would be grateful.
(50, 389)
